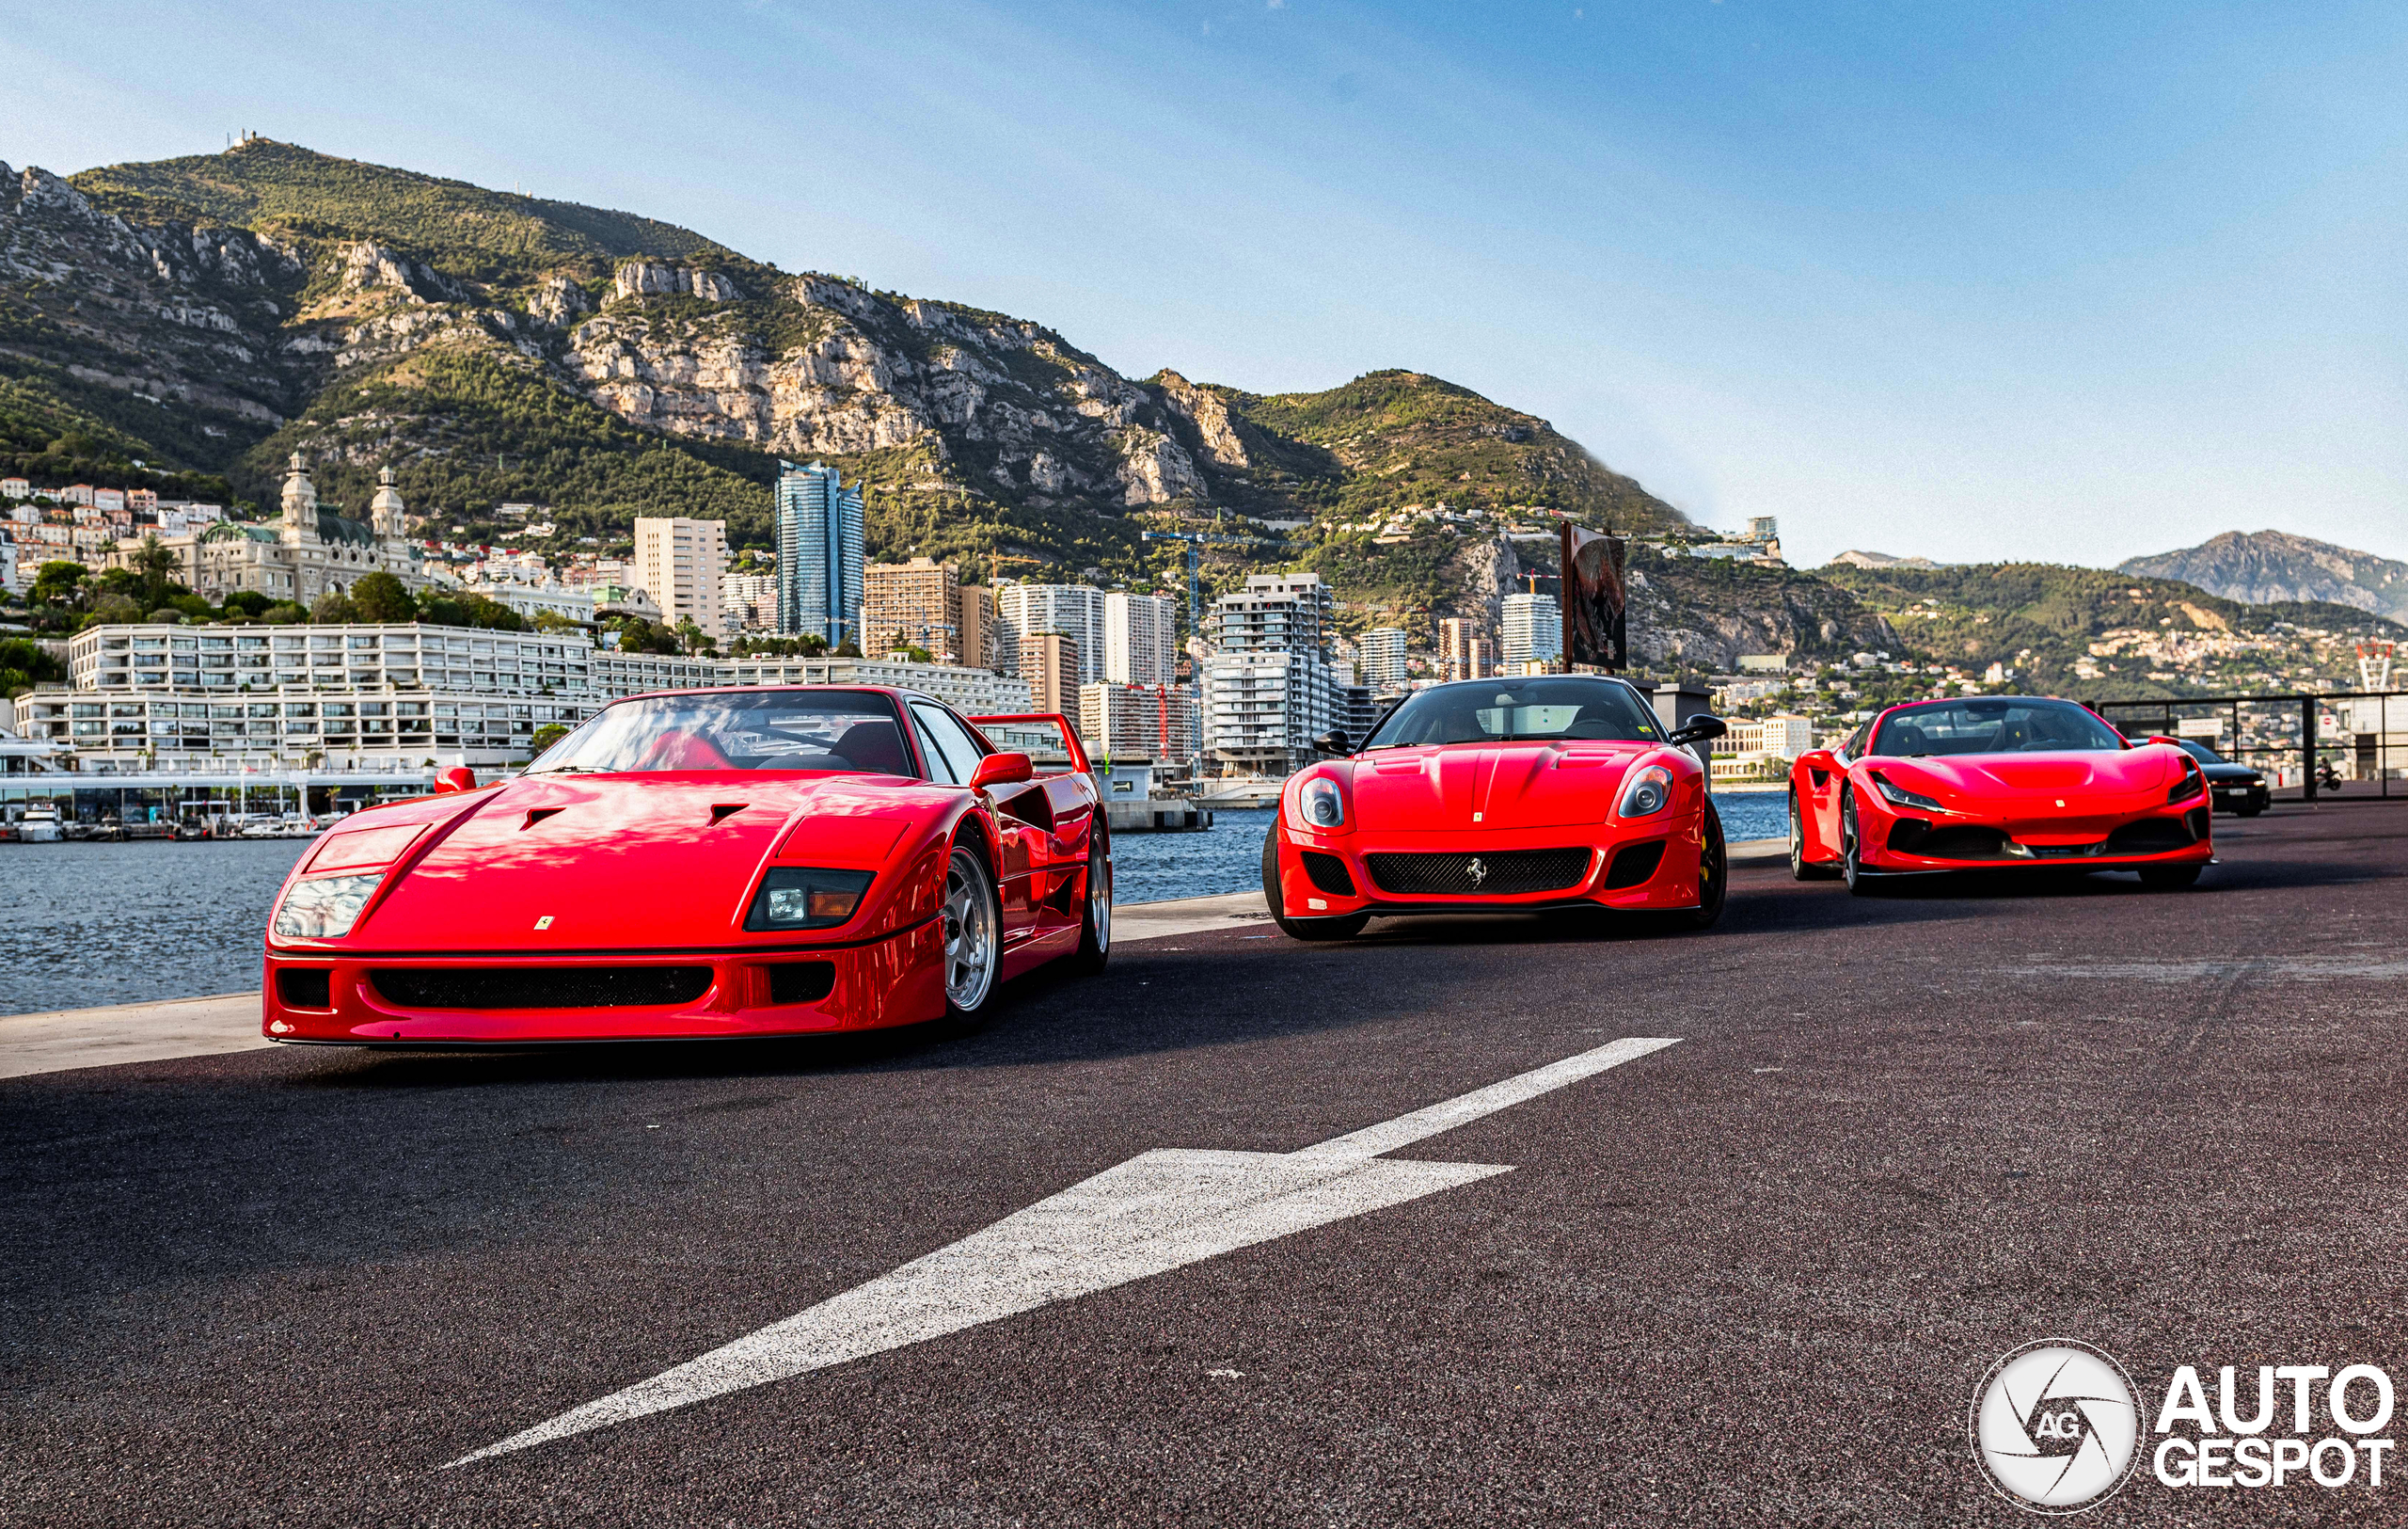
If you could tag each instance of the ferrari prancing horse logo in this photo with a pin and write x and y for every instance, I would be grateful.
(1478, 870)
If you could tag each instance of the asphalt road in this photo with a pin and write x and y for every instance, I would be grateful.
(1751, 1277)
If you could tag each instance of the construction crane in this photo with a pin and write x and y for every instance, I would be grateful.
(1196, 541)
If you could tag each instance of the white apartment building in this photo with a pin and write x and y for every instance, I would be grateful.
(1072, 611)
(679, 563)
(176, 697)
(1530, 631)
(1140, 639)
(1784, 736)
(1263, 710)
(1380, 655)
(1146, 722)
(749, 602)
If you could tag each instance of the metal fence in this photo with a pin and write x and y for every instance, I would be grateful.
(2320, 743)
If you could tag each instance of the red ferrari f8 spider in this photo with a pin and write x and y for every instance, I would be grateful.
(701, 864)
(1552, 792)
(1988, 781)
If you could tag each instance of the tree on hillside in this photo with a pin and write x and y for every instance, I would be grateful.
(333, 607)
(380, 596)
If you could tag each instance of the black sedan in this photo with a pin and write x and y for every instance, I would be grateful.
(2233, 788)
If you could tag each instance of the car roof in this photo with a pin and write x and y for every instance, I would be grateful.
(894, 693)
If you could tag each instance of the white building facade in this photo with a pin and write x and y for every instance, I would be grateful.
(1140, 639)
(679, 563)
(1072, 611)
(1530, 631)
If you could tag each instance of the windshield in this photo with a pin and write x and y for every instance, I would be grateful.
(1560, 707)
(2201, 752)
(851, 730)
(1992, 725)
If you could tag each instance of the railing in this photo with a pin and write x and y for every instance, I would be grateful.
(2319, 742)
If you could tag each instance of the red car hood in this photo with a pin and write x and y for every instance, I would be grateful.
(2016, 777)
(1463, 785)
(620, 862)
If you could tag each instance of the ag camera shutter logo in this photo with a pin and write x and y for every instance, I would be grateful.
(2055, 1427)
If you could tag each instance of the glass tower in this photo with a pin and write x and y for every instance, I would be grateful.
(820, 525)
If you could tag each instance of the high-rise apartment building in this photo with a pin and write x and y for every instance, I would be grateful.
(1463, 650)
(1380, 659)
(1532, 631)
(975, 627)
(1072, 611)
(1049, 665)
(1150, 722)
(679, 563)
(1269, 691)
(821, 524)
(914, 604)
(1140, 639)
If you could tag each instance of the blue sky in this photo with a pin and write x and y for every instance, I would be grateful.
(2069, 282)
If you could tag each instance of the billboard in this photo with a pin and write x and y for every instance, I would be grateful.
(1594, 600)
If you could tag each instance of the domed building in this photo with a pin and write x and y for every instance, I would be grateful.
(312, 551)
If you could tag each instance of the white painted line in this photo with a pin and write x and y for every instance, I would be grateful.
(1152, 1213)
(1404, 1130)
(130, 1032)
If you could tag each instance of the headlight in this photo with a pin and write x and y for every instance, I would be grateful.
(1320, 805)
(791, 898)
(1649, 790)
(1900, 797)
(324, 907)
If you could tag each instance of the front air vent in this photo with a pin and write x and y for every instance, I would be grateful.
(1633, 864)
(2151, 835)
(1490, 873)
(801, 981)
(1328, 874)
(540, 987)
(305, 987)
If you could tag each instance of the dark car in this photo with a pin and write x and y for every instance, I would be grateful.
(2233, 788)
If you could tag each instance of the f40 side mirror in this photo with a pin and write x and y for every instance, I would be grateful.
(1002, 769)
(1699, 729)
(457, 778)
(1334, 742)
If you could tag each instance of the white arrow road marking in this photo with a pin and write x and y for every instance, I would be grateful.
(1146, 1216)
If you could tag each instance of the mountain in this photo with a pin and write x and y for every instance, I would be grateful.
(211, 315)
(2096, 632)
(2266, 566)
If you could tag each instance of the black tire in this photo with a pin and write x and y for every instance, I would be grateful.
(1713, 874)
(1094, 920)
(2168, 878)
(1345, 928)
(1802, 868)
(970, 894)
(1851, 864)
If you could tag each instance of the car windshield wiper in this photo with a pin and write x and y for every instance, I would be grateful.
(575, 769)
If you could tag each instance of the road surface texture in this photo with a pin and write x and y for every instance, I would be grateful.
(1753, 1276)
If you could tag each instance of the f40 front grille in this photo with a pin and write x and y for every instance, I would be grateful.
(540, 987)
(1483, 873)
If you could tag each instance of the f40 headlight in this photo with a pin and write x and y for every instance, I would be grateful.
(1319, 805)
(793, 897)
(1898, 796)
(1649, 790)
(323, 907)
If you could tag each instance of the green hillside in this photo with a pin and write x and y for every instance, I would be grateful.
(1390, 439)
(462, 231)
(2042, 620)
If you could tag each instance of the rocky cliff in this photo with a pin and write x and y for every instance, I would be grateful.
(223, 310)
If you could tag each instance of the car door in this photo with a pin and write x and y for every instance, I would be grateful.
(1823, 794)
(1022, 846)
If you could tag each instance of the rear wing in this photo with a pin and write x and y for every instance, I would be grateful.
(1046, 737)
